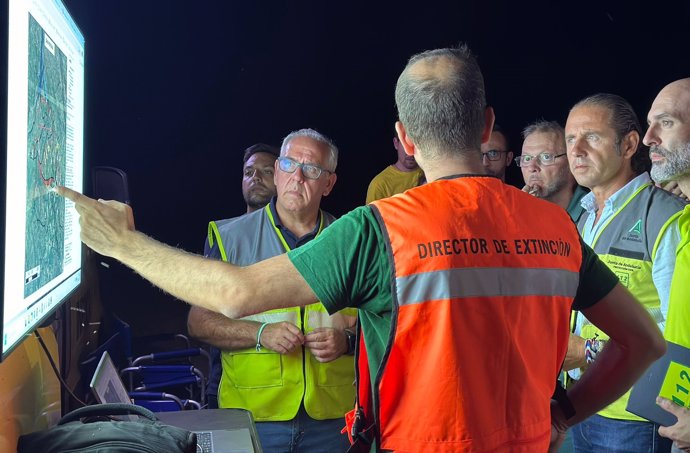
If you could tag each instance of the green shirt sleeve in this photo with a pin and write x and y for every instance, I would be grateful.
(347, 264)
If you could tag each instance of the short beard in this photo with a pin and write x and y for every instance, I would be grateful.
(676, 163)
(549, 190)
(256, 201)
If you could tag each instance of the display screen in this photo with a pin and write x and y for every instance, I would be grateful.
(44, 148)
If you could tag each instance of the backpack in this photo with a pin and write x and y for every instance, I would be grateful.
(146, 434)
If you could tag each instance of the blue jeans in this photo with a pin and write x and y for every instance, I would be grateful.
(599, 434)
(303, 434)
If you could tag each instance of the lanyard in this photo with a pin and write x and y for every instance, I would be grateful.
(280, 233)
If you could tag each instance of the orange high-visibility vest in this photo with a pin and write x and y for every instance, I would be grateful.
(484, 279)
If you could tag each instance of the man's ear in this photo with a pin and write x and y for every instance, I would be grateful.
(405, 140)
(509, 158)
(629, 144)
(332, 178)
(489, 119)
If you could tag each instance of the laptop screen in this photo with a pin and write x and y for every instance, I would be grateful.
(107, 386)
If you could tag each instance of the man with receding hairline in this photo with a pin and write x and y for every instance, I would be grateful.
(668, 138)
(446, 360)
(290, 368)
(633, 227)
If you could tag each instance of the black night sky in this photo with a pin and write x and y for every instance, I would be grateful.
(176, 90)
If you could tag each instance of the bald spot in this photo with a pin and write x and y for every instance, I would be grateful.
(442, 68)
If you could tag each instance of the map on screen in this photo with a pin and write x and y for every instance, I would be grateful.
(44, 148)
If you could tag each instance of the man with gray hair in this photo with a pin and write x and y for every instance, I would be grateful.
(633, 227)
(545, 168)
(290, 368)
(455, 282)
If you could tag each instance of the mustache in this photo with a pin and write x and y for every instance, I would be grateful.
(579, 160)
(656, 149)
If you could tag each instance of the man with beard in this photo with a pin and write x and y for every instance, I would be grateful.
(668, 138)
(396, 178)
(545, 168)
(633, 227)
(293, 369)
(257, 189)
(496, 154)
(257, 175)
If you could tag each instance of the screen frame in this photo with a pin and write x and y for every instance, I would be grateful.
(4, 106)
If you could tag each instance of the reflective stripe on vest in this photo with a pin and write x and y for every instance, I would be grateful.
(271, 385)
(627, 244)
(461, 371)
(678, 323)
(486, 282)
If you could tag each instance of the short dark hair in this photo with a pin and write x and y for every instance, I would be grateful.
(260, 148)
(499, 129)
(441, 102)
(623, 121)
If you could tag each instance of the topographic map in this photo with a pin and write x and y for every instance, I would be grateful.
(46, 159)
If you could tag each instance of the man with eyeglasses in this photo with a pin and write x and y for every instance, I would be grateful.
(496, 154)
(257, 190)
(545, 168)
(396, 178)
(456, 282)
(633, 227)
(293, 369)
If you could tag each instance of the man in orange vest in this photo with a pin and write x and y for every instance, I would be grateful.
(464, 288)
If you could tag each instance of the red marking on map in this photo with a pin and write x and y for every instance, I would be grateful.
(47, 182)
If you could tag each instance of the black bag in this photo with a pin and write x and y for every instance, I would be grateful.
(146, 434)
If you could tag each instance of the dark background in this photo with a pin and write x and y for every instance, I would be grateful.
(176, 90)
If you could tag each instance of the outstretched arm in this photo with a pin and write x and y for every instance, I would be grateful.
(108, 228)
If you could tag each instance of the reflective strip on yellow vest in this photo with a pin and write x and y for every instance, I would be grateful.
(678, 322)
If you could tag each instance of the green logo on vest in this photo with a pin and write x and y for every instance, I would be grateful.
(637, 228)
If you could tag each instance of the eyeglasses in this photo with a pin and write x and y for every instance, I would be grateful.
(543, 159)
(493, 154)
(308, 170)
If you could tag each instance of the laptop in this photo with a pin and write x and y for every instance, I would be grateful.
(107, 387)
(668, 377)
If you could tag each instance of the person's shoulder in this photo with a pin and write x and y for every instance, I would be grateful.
(244, 220)
(663, 197)
(387, 172)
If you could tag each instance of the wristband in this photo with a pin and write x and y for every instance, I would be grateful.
(592, 348)
(258, 336)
